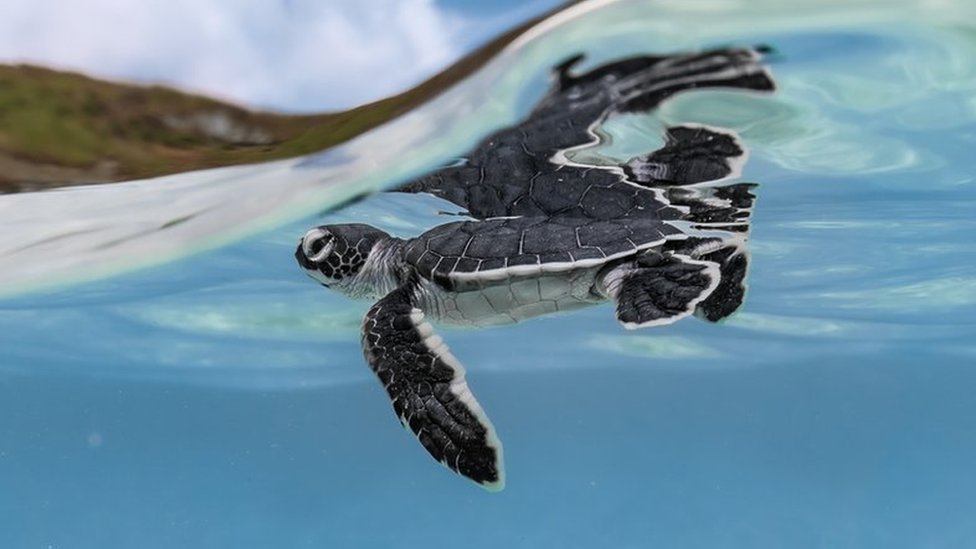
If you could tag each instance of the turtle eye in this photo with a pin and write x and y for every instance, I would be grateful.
(321, 248)
(317, 244)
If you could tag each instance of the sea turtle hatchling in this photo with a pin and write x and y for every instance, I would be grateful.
(492, 272)
(549, 235)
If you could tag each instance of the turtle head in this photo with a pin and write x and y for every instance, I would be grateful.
(338, 256)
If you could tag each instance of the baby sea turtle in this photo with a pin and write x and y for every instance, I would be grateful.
(554, 238)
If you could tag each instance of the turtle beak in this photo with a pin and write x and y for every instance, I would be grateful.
(306, 264)
(304, 250)
(304, 253)
(300, 256)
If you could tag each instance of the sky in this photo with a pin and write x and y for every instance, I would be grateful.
(288, 55)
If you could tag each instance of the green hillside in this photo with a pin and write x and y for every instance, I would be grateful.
(59, 128)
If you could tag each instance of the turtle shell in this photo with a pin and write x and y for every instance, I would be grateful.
(495, 249)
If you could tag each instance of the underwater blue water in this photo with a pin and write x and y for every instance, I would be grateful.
(221, 400)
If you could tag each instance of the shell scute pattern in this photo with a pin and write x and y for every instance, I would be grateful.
(510, 245)
(538, 241)
(551, 193)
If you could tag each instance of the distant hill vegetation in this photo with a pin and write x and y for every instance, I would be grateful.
(61, 128)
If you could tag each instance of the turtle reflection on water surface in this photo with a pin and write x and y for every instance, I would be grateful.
(550, 235)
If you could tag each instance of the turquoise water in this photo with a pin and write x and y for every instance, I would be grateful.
(220, 399)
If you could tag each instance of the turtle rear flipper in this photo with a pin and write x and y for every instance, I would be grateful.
(659, 289)
(426, 384)
(732, 258)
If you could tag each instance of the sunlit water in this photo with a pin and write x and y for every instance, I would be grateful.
(221, 399)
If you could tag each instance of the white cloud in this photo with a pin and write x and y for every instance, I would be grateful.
(286, 54)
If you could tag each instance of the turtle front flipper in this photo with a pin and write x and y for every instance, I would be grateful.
(426, 384)
(657, 289)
